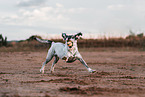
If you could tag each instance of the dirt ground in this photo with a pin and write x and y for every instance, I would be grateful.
(119, 74)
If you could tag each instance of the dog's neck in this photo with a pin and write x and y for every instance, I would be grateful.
(71, 51)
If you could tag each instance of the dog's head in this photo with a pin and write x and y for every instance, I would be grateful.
(71, 39)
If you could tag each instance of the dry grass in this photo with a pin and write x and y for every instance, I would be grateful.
(127, 43)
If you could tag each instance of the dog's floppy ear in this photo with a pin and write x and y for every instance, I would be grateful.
(77, 36)
(64, 36)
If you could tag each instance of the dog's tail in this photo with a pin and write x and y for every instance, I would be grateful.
(44, 41)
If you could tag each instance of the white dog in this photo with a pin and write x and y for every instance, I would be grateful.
(68, 51)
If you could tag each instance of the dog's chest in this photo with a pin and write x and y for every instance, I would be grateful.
(70, 56)
(71, 52)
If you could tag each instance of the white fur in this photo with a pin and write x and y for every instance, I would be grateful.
(62, 51)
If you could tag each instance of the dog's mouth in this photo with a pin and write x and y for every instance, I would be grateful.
(70, 44)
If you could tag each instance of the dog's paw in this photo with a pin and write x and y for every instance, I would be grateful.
(42, 71)
(51, 72)
(91, 70)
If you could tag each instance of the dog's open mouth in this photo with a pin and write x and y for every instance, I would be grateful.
(69, 60)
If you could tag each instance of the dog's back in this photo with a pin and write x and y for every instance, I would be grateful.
(59, 49)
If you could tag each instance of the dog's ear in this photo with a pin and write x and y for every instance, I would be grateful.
(77, 36)
(64, 36)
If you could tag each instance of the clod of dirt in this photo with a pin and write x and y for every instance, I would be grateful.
(97, 90)
(129, 77)
(88, 91)
(73, 90)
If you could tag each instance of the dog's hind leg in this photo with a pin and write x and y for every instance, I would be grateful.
(44, 63)
(53, 64)
(48, 59)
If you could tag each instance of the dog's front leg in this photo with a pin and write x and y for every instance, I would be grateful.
(85, 64)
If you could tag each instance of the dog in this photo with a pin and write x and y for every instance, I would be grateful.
(67, 52)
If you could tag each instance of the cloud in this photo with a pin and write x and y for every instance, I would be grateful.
(59, 15)
(30, 3)
(40, 19)
(59, 5)
(52, 16)
(115, 7)
(43, 14)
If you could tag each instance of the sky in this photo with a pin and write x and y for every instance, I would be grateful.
(19, 19)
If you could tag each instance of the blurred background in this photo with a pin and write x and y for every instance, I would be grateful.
(111, 23)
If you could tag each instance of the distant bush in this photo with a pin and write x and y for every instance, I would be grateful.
(3, 42)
